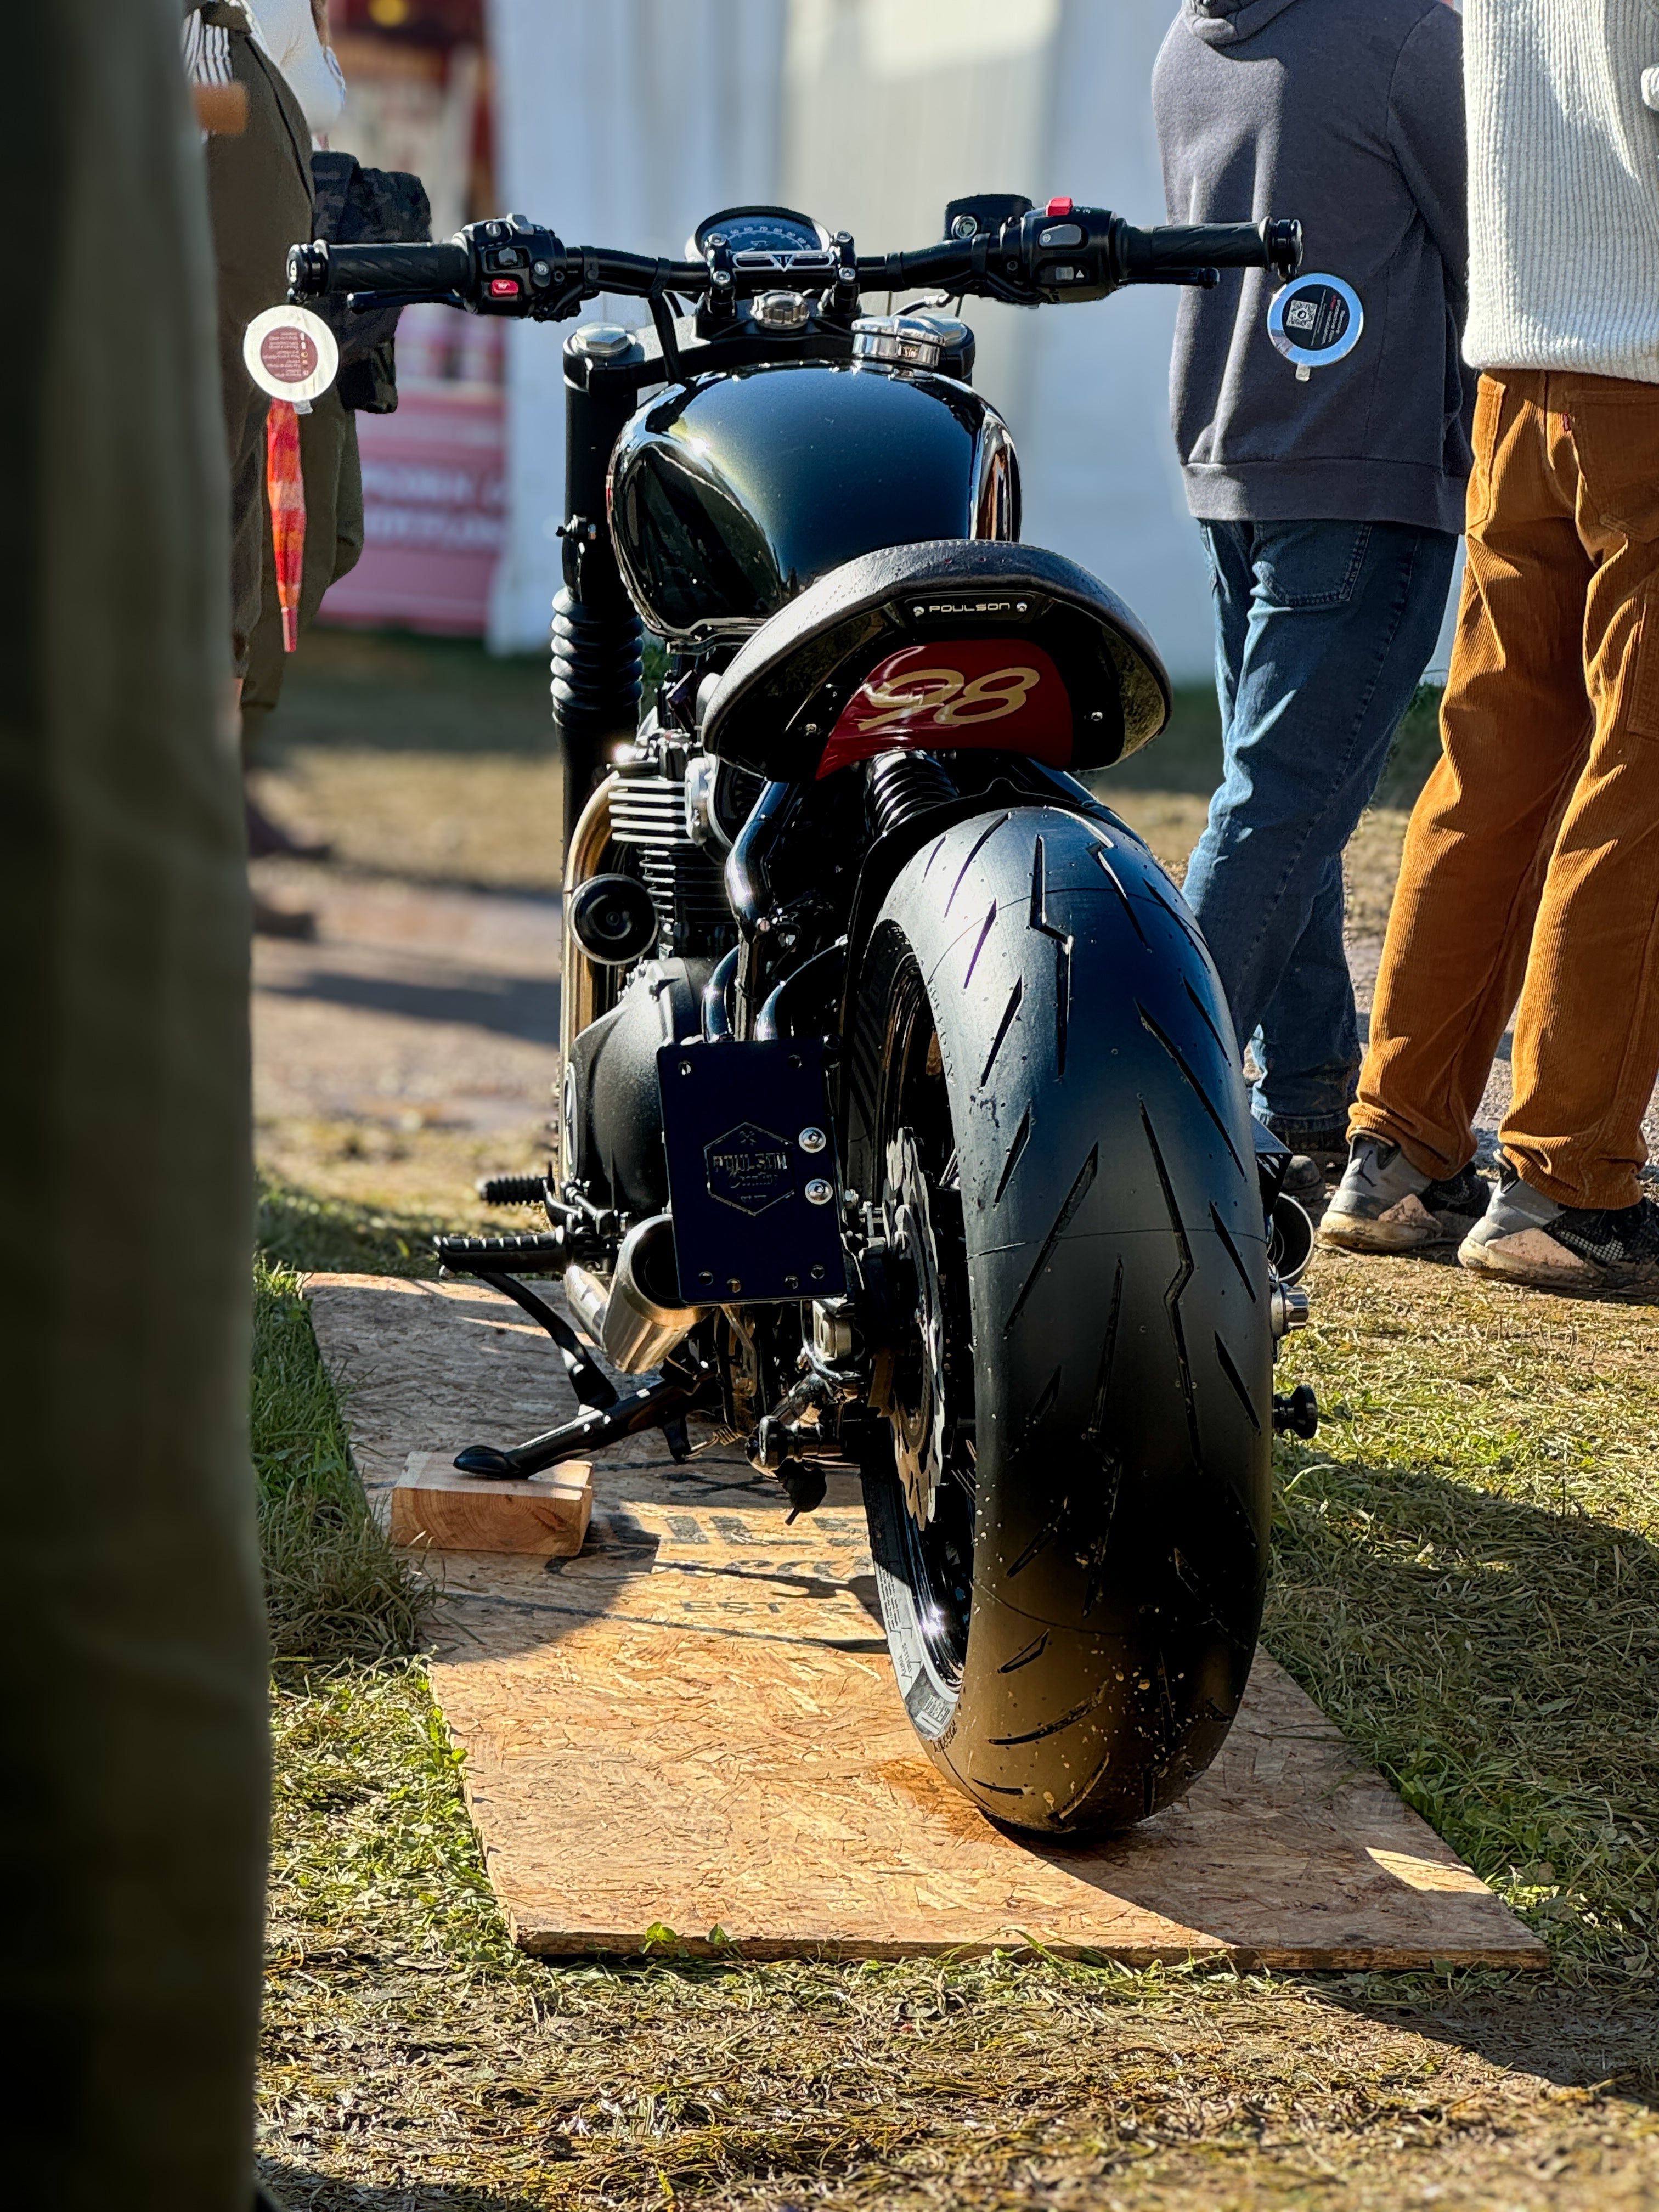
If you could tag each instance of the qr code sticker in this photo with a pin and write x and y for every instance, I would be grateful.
(1301, 315)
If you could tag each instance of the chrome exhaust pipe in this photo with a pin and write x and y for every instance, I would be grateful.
(586, 989)
(643, 1319)
(585, 1295)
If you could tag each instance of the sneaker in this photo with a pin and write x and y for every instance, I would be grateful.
(282, 921)
(1304, 1178)
(1383, 1203)
(1525, 1237)
(1317, 1157)
(265, 836)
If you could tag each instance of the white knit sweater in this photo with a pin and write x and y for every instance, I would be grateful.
(1563, 186)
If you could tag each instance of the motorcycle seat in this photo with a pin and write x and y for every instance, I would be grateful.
(1045, 658)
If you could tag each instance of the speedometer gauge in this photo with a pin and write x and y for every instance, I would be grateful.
(759, 230)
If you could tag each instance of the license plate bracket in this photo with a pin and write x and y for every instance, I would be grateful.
(757, 1200)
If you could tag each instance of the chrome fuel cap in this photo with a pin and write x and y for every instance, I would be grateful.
(912, 341)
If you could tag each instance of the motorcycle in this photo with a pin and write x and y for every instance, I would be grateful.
(903, 1124)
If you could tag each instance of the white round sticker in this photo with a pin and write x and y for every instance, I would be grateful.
(291, 354)
(1315, 321)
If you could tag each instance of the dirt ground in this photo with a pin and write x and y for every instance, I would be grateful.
(1467, 1579)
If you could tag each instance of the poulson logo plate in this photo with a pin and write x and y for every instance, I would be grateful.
(750, 1168)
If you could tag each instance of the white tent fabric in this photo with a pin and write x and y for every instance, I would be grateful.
(619, 123)
(624, 123)
(937, 97)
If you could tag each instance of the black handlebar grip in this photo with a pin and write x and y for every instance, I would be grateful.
(1196, 245)
(1271, 244)
(412, 269)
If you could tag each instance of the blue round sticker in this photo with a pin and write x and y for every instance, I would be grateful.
(1315, 321)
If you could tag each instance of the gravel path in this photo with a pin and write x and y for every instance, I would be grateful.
(413, 1007)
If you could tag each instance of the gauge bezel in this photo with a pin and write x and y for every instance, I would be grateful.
(697, 245)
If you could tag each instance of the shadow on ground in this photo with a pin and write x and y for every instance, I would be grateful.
(1496, 1659)
(509, 1005)
(1528, 2027)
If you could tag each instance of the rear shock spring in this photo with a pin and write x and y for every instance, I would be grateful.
(902, 785)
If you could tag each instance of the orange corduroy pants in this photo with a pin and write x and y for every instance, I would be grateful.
(1530, 879)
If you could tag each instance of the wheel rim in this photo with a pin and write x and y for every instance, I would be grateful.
(932, 1403)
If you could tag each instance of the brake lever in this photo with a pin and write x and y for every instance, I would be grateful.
(1195, 280)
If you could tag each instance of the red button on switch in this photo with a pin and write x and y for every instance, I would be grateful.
(1058, 207)
(503, 288)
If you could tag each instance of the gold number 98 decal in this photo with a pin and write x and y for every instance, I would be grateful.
(947, 695)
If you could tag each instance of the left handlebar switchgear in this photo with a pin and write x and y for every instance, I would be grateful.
(506, 266)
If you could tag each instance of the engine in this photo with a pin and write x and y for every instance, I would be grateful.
(673, 812)
(673, 815)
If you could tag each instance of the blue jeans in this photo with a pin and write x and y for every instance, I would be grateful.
(1324, 630)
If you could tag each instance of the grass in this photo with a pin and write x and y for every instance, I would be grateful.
(391, 691)
(334, 1588)
(427, 756)
(307, 1233)
(413, 2059)
(1467, 1582)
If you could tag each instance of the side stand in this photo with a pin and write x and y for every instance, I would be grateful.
(609, 1417)
(655, 1407)
(592, 1385)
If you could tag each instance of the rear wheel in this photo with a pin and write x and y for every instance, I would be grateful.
(1070, 1531)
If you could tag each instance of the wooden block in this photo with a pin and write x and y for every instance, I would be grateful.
(437, 1507)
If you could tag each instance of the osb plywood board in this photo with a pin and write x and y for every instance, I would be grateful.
(693, 1723)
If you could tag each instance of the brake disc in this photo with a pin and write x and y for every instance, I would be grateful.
(919, 1427)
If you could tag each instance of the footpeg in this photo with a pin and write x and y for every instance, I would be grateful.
(512, 1190)
(542, 1255)
(1298, 1413)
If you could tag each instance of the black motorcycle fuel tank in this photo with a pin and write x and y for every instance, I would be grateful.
(729, 496)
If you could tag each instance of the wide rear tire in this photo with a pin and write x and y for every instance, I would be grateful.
(1073, 1625)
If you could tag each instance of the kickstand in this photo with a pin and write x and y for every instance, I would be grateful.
(656, 1407)
(592, 1385)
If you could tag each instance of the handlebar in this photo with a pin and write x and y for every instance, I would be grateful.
(509, 266)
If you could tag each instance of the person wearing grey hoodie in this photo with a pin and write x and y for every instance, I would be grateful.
(1329, 503)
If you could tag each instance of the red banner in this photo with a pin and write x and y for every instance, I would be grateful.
(434, 513)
